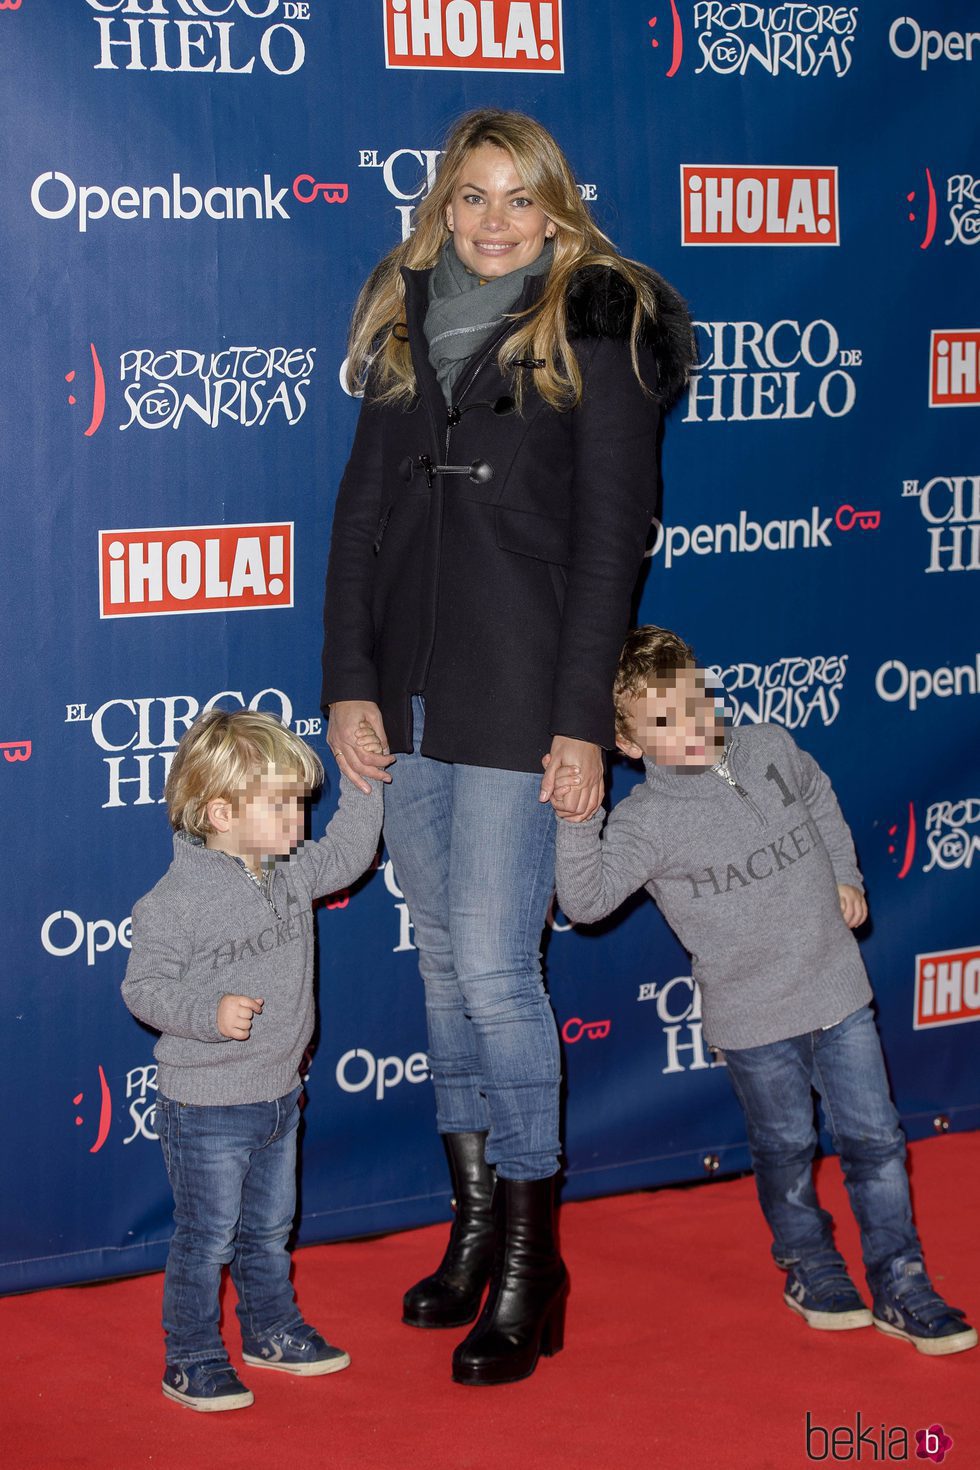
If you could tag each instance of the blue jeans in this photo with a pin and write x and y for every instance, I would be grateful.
(775, 1085)
(233, 1174)
(474, 853)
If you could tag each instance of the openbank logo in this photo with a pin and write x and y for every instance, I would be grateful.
(797, 39)
(954, 368)
(962, 193)
(789, 691)
(193, 569)
(950, 507)
(908, 40)
(188, 36)
(802, 533)
(357, 1070)
(55, 195)
(474, 35)
(750, 372)
(758, 205)
(895, 681)
(947, 988)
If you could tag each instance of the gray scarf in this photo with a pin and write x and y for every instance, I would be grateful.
(463, 313)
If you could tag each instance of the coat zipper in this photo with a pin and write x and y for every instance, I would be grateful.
(265, 889)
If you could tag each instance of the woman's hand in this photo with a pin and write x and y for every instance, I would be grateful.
(359, 757)
(573, 802)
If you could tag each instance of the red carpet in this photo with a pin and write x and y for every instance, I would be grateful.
(679, 1353)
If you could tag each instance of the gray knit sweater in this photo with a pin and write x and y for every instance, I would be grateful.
(208, 929)
(745, 874)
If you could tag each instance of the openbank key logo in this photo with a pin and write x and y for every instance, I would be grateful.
(947, 988)
(192, 569)
(954, 368)
(758, 205)
(474, 35)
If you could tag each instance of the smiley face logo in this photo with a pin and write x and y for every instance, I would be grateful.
(98, 392)
(677, 43)
(105, 1112)
(930, 222)
(907, 845)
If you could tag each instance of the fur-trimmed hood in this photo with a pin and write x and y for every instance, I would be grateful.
(600, 303)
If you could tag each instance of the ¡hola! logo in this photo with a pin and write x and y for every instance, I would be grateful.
(474, 35)
(950, 506)
(758, 205)
(188, 36)
(191, 569)
(963, 199)
(55, 195)
(954, 368)
(947, 988)
(952, 833)
(800, 39)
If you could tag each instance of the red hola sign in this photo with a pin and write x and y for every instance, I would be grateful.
(758, 205)
(947, 988)
(192, 569)
(474, 35)
(954, 369)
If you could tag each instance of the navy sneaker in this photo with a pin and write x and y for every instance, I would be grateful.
(298, 1349)
(209, 1387)
(824, 1295)
(907, 1305)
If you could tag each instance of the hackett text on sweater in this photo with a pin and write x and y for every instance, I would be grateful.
(747, 879)
(207, 930)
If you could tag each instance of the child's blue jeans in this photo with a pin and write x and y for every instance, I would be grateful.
(233, 1174)
(775, 1086)
(474, 853)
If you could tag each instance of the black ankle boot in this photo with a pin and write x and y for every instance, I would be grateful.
(524, 1314)
(450, 1297)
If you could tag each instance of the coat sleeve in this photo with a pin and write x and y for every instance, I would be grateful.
(348, 623)
(613, 500)
(822, 804)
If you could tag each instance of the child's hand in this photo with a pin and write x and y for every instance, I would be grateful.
(567, 778)
(366, 738)
(235, 1014)
(852, 905)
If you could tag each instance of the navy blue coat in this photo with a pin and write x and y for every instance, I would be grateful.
(501, 590)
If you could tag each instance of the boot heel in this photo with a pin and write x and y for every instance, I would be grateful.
(553, 1333)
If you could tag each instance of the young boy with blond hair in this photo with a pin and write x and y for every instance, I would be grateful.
(738, 837)
(222, 967)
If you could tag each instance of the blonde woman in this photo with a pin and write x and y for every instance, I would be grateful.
(488, 532)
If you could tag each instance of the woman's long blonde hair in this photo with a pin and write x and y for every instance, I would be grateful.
(544, 172)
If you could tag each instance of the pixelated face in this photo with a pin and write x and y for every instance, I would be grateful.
(268, 816)
(678, 722)
(497, 227)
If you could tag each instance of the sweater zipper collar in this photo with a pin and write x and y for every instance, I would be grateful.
(724, 772)
(264, 885)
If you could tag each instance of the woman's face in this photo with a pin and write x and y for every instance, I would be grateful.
(496, 225)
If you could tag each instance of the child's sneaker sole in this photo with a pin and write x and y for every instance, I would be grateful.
(830, 1321)
(210, 1405)
(306, 1370)
(933, 1347)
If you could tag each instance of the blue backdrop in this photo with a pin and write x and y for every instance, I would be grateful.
(192, 192)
